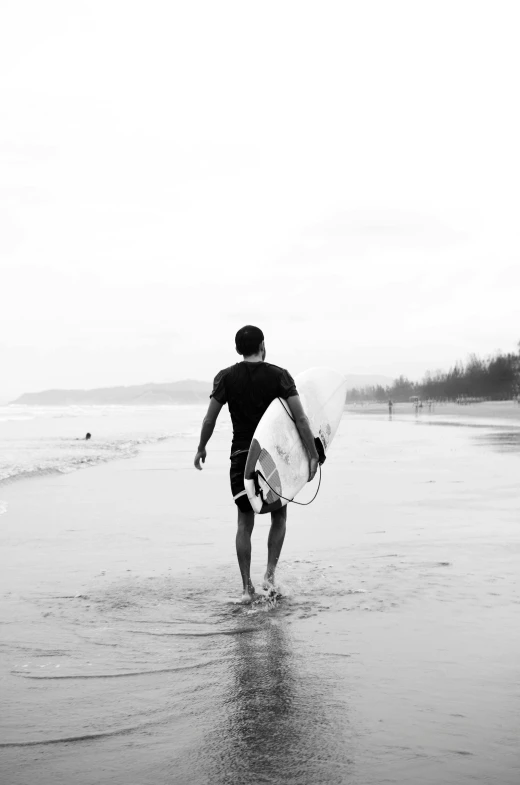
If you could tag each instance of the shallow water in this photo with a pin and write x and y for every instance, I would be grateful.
(391, 657)
(40, 440)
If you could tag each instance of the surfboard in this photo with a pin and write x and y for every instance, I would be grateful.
(277, 465)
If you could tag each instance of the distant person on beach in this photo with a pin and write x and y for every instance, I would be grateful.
(88, 436)
(248, 387)
(390, 407)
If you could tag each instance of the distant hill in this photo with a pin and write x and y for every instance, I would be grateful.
(359, 380)
(187, 391)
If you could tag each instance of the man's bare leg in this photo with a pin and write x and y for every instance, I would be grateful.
(246, 522)
(274, 546)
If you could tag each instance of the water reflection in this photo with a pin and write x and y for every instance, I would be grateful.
(501, 441)
(281, 722)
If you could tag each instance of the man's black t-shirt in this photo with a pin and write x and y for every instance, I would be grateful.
(248, 389)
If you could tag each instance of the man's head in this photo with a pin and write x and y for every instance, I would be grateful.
(249, 340)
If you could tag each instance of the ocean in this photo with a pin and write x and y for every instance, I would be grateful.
(40, 440)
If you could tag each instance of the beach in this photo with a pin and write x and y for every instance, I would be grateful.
(480, 413)
(391, 656)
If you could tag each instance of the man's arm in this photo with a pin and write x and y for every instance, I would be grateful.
(304, 429)
(208, 426)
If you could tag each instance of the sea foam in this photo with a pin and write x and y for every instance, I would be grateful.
(48, 440)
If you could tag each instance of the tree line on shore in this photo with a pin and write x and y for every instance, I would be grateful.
(493, 378)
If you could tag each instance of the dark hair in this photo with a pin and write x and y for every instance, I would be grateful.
(248, 340)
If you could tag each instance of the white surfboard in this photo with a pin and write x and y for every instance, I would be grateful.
(277, 463)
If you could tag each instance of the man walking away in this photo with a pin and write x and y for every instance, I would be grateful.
(248, 387)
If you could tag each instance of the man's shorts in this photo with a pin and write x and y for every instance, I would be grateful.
(236, 476)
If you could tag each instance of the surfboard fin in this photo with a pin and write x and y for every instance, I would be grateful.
(258, 490)
(321, 452)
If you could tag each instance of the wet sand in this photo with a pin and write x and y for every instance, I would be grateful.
(482, 413)
(392, 656)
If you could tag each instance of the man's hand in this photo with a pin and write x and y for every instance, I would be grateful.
(313, 468)
(201, 456)
(208, 425)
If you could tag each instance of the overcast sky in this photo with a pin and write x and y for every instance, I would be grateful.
(345, 175)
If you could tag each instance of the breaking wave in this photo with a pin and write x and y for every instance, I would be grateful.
(41, 440)
(69, 456)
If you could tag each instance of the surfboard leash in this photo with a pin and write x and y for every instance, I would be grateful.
(302, 504)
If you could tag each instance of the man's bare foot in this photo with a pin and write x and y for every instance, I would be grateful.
(268, 584)
(248, 594)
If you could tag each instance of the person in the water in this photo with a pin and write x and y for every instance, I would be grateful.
(248, 387)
